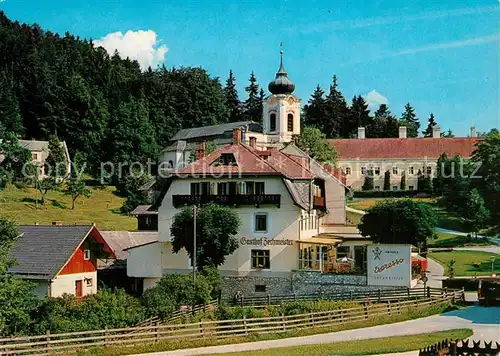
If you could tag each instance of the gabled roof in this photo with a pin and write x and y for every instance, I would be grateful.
(120, 241)
(143, 210)
(249, 161)
(206, 131)
(42, 251)
(401, 148)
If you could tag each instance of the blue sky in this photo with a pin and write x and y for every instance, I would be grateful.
(441, 56)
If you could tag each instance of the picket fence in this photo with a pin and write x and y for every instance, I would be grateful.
(461, 348)
(50, 344)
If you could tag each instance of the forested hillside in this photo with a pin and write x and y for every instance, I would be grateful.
(106, 108)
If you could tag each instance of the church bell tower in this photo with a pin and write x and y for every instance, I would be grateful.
(281, 109)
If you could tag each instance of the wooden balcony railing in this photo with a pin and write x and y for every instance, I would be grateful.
(236, 199)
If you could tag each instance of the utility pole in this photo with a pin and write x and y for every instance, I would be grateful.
(195, 212)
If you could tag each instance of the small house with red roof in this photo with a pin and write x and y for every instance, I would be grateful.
(59, 259)
(402, 157)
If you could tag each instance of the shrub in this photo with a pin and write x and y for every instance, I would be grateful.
(173, 291)
(469, 284)
(106, 309)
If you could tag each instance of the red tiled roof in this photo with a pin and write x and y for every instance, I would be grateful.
(337, 173)
(249, 162)
(403, 147)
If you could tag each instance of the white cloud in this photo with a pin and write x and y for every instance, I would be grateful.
(142, 46)
(374, 99)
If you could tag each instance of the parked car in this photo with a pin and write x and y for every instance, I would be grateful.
(488, 292)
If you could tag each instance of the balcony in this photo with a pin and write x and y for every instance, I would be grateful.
(318, 202)
(235, 200)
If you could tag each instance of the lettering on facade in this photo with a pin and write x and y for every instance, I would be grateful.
(391, 264)
(264, 241)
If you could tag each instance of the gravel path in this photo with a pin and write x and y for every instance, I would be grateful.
(483, 321)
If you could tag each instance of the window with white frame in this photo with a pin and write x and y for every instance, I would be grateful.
(363, 170)
(394, 187)
(377, 187)
(410, 187)
(347, 170)
(411, 170)
(261, 222)
(428, 170)
(261, 259)
(86, 255)
(88, 282)
(394, 170)
(377, 170)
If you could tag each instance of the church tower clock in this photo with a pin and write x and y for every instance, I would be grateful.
(281, 109)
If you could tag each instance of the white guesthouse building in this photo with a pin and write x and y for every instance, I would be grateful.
(293, 237)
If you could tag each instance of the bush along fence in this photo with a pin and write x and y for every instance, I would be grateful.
(362, 296)
(461, 348)
(214, 330)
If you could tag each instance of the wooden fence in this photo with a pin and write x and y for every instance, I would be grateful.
(179, 314)
(212, 330)
(461, 348)
(373, 295)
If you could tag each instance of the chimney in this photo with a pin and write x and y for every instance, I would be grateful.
(200, 151)
(361, 132)
(253, 142)
(436, 131)
(236, 136)
(402, 131)
(57, 223)
(473, 131)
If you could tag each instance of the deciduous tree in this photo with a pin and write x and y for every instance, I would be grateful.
(399, 222)
(312, 141)
(216, 227)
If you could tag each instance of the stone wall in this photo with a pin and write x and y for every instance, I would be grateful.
(298, 282)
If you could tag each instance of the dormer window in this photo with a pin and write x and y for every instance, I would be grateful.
(290, 123)
(227, 159)
(272, 122)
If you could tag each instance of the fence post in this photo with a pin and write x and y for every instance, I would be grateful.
(428, 292)
(408, 291)
(241, 301)
(268, 299)
(283, 321)
(462, 296)
(294, 296)
(350, 295)
(106, 336)
(48, 339)
(245, 324)
(379, 295)
(389, 307)
(157, 332)
(366, 311)
(453, 348)
(446, 292)
(201, 329)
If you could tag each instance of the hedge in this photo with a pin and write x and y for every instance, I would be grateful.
(469, 284)
(388, 194)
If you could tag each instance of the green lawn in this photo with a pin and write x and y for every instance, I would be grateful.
(363, 347)
(451, 240)
(465, 261)
(101, 208)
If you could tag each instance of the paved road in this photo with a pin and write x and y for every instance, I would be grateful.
(483, 321)
(460, 233)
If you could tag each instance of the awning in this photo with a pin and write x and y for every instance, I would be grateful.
(319, 241)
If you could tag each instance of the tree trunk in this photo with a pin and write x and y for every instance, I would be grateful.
(73, 204)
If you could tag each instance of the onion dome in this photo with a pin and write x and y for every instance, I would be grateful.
(281, 84)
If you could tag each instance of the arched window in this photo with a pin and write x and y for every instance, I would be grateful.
(272, 122)
(290, 122)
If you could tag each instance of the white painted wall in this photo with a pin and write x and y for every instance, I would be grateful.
(149, 283)
(145, 261)
(356, 179)
(65, 284)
